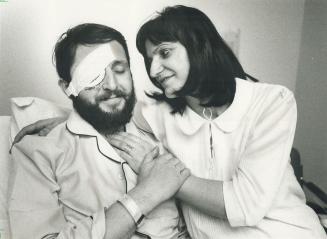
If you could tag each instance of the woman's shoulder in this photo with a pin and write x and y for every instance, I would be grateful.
(264, 99)
(271, 89)
(269, 100)
(268, 93)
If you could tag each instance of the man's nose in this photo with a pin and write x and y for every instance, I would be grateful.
(156, 67)
(109, 81)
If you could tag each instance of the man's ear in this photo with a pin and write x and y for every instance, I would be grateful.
(63, 85)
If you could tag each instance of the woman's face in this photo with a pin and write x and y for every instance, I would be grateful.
(169, 65)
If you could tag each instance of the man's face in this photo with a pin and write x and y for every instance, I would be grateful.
(108, 105)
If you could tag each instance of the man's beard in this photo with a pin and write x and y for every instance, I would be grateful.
(106, 122)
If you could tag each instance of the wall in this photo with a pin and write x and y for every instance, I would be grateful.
(269, 46)
(311, 93)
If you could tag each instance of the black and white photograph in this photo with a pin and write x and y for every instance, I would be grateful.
(185, 119)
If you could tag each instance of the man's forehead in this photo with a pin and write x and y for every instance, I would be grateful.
(82, 51)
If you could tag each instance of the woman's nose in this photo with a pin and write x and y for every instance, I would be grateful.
(155, 68)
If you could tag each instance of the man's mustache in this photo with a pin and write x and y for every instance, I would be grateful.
(107, 95)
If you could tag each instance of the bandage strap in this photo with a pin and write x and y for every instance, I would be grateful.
(132, 208)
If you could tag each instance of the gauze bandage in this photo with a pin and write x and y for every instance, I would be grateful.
(91, 70)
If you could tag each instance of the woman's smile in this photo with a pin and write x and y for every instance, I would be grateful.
(164, 80)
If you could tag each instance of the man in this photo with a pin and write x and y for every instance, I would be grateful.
(72, 183)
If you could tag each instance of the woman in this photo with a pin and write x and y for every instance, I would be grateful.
(234, 135)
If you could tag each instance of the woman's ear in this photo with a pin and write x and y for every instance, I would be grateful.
(63, 85)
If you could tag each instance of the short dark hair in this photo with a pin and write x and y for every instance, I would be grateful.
(213, 65)
(83, 34)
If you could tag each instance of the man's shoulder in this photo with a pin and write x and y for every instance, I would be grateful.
(152, 109)
(60, 130)
(149, 115)
(132, 128)
(58, 139)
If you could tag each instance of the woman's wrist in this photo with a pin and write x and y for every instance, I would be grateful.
(184, 188)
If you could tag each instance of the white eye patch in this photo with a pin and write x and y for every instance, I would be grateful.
(91, 70)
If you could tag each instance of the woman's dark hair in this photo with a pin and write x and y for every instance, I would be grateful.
(213, 65)
(84, 34)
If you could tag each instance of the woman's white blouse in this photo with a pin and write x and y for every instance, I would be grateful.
(251, 141)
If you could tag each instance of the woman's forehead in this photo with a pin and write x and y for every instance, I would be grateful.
(152, 49)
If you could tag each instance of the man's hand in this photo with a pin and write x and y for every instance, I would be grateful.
(131, 148)
(159, 179)
(41, 127)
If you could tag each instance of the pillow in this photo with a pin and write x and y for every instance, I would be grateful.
(27, 110)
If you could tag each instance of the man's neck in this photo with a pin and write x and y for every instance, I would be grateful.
(110, 132)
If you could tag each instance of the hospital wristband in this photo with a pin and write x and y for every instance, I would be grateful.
(132, 208)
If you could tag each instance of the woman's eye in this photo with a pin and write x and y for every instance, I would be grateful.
(165, 53)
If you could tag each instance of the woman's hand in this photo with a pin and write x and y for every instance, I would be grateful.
(160, 177)
(163, 174)
(131, 148)
(41, 127)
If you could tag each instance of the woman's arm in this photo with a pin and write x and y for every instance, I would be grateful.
(40, 127)
(246, 198)
(204, 194)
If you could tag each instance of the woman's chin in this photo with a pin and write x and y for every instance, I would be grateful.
(170, 95)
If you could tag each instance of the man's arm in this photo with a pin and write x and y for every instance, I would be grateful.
(35, 207)
(37, 212)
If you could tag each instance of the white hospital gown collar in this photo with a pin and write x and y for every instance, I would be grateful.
(190, 122)
(77, 125)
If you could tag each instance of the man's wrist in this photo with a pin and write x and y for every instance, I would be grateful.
(144, 199)
(133, 209)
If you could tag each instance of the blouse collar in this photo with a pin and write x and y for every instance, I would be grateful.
(190, 122)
